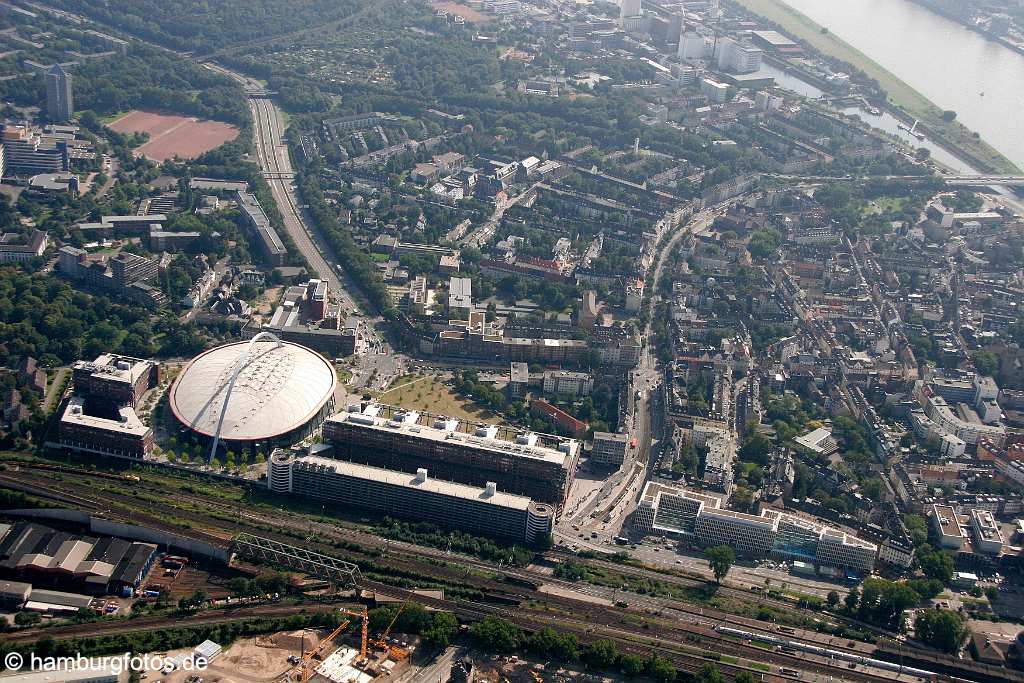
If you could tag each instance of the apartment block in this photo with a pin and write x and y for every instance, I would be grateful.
(14, 249)
(566, 383)
(988, 537)
(947, 526)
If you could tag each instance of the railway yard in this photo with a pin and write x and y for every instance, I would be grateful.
(645, 612)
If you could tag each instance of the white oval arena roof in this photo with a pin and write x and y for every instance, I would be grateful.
(278, 390)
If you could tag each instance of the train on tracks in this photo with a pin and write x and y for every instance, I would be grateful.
(788, 645)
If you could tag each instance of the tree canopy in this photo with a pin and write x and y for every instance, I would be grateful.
(940, 628)
(720, 559)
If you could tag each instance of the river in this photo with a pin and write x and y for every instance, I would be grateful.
(954, 67)
(883, 121)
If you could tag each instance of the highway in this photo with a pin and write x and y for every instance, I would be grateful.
(377, 364)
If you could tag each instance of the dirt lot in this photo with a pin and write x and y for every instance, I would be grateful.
(189, 579)
(173, 134)
(252, 660)
(466, 13)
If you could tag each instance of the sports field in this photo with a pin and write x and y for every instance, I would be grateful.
(173, 135)
(467, 13)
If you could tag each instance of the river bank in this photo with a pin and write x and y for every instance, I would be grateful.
(905, 102)
(958, 19)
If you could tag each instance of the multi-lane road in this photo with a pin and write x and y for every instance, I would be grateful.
(377, 363)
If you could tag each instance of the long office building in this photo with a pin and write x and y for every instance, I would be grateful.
(118, 432)
(477, 338)
(27, 152)
(673, 511)
(521, 463)
(416, 496)
(270, 242)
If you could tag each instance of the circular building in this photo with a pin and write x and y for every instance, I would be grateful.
(255, 394)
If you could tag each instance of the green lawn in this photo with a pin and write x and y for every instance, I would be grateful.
(956, 136)
(883, 204)
(429, 395)
(110, 118)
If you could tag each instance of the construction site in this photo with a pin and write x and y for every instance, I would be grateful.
(297, 656)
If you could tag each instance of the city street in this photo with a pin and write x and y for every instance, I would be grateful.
(594, 514)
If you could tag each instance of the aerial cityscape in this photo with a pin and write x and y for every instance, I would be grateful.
(512, 341)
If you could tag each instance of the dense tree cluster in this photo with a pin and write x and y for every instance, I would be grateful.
(940, 628)
(882, 603)
(45, 318)
(431, 535)
(437, 628)
(492, 634)
(195, 25)
(356, 262)
(146, 78)
(441, 68)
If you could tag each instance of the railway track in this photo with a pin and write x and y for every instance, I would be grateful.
(142, 624)
(596, 621)
(409, 558)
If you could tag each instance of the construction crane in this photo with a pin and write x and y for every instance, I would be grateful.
(382, 640)
(361, 614)
(305, 665)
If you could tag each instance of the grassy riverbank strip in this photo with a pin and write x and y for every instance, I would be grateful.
(954, 136)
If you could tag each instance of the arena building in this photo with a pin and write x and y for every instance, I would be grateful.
(254, 395)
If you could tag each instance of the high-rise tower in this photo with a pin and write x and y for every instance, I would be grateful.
(59, 103)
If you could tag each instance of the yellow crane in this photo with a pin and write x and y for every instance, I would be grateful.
(305, 665)
(382, 640)
(361, 614)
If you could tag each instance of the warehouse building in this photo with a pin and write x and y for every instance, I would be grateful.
(14, 594)
(48, 557)
(522, 463)
(484, 510)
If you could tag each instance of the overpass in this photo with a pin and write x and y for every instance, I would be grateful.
(952, 179)
(1008, 180)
